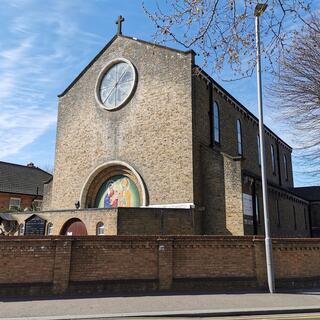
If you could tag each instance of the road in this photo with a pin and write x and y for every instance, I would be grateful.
(173, 305)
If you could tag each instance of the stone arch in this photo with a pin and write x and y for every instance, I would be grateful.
(74, 225)
(107, 170)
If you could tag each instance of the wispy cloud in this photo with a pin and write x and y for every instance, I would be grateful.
(36, 56)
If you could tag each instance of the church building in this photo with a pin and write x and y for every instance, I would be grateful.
(148, 143)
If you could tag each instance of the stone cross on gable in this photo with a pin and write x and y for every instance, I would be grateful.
(119, 23)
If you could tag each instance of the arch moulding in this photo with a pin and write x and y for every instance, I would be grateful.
(104, 171)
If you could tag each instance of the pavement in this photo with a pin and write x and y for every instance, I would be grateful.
(164, 305)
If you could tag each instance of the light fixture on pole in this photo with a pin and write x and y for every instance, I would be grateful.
(258, 11)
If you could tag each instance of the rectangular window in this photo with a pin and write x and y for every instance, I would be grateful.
(239, 138)
(285, 163)
(14, 204)
(273, 160)
(216, 123)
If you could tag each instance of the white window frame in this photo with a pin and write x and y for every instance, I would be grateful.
(11, 206)
(49, 229)
(21, 229)
(100, 229)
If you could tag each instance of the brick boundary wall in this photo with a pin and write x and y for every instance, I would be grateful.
(114, 264)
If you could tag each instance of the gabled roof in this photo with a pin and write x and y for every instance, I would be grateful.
(15, 178)
(308, 193)
(107, 46)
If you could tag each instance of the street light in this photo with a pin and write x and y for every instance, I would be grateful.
(258, 11)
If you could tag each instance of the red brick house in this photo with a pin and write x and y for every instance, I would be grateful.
(21, 186)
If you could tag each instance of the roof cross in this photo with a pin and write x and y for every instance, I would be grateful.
(119, 23)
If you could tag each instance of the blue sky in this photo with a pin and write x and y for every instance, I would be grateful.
(43, 46)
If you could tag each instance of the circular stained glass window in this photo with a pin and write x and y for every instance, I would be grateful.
(118, 191)
(116, 84)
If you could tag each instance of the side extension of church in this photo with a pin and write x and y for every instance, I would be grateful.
(148, 143)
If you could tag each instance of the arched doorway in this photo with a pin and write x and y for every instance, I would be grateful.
(74, 227)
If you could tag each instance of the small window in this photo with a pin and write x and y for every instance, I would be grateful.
(294, 218)
(21, 229)
(216, 123)
(14, 204)
(50, 229)
(37, 204)
(285, 163)
(239, 138)
(259, 151)
(273, 161)
(100, 229)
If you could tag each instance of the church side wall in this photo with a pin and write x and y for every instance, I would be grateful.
(229, 113)
(151, 133)
(209, 184)
(35, 266)
(289, 219)
(211, 189)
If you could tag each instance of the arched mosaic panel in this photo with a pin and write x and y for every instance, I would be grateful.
(118, 191)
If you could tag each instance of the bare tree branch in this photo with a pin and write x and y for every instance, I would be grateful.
(296, 95)
(222, 32)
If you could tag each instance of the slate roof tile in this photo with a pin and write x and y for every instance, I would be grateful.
(15, 178)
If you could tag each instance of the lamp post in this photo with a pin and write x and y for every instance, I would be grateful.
(258, 11)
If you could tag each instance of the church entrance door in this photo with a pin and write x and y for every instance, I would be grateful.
(74, 227)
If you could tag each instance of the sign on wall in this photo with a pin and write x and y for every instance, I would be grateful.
(247, 208)
(247, 204)
(35, 225)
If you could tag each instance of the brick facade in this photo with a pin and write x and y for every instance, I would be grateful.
(152, 132)
(123, 221)
(151, 263)
(25, 200)
(162, 140)
(221, 195)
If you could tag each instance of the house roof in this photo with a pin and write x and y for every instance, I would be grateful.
(308, 193)
(15, 178)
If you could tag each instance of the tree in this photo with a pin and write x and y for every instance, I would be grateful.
(296, 95)
(223, 32)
